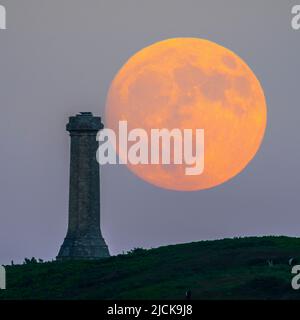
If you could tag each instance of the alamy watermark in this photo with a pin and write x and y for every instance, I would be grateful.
(2, 18)
(296, 279)
(162, 146)
(2, 278)
(296, 17)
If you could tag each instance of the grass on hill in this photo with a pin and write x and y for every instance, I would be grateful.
(240, 268)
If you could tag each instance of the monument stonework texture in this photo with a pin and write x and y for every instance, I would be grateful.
(84, 239)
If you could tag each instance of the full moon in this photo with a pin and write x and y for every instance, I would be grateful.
(191, 83)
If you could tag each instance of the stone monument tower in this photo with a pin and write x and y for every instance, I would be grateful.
(84, 239)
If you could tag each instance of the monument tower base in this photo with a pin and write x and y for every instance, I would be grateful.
(83, 249)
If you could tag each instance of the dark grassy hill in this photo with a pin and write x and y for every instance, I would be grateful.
(222, 269)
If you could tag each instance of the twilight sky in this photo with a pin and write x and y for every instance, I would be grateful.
(58, 57)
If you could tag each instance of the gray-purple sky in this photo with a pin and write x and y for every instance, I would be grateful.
(58, 57)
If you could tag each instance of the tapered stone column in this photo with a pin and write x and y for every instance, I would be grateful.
(84, 239)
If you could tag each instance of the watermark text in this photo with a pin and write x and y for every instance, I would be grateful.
(2, 278)
(2, 18)
(296, 17)
(161, 146)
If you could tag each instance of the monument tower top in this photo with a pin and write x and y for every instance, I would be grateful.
(84, 121)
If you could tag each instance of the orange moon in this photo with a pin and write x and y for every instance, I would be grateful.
(191, 83)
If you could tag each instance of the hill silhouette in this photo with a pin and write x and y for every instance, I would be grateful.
(240, 268)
